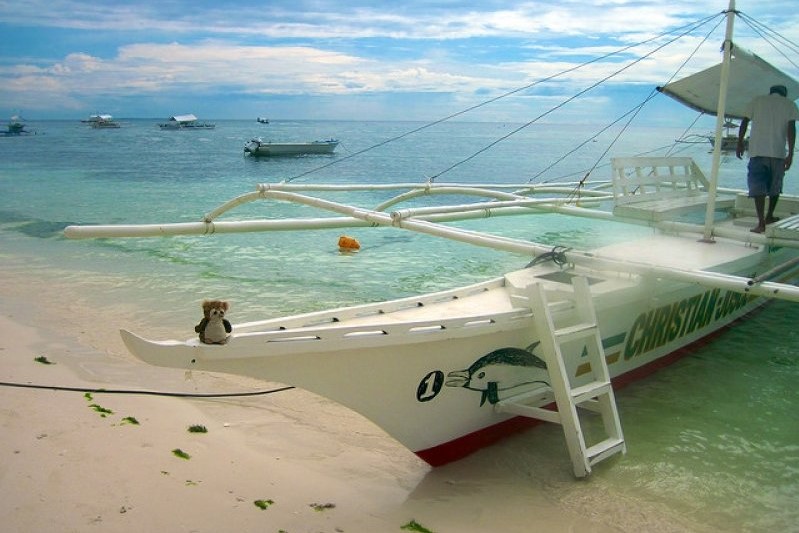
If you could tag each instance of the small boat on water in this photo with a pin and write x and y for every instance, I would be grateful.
(187, 122)
(102, 122)
(449, 372)
(258, 147)
(263, 120)
(16, 128)
(729, 141)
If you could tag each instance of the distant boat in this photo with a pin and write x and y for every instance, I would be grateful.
(257, 147)
(179, 122)
(16, 128)
(263, 120)
(95, 118)
(102, 121)
(729, 142)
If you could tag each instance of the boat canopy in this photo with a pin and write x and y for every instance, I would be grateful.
(750, 76)
(183, 118)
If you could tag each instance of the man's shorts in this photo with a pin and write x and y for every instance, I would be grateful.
(765, 176)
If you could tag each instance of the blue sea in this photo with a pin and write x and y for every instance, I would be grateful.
(713, 441)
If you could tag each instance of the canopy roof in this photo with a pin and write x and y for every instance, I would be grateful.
(750, 76)
(183, 118)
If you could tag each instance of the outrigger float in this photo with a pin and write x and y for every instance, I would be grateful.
(450, 372)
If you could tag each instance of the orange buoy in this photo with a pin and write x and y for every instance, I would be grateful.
(348, 244)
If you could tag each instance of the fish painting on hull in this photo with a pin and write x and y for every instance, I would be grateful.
(501, 371)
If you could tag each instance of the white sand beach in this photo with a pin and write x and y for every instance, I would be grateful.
(66, 466)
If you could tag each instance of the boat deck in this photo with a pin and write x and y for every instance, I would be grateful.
(674, 252)
(660, 188)
(787, 228)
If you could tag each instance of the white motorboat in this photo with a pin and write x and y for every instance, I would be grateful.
(449, 372)
(258, 147)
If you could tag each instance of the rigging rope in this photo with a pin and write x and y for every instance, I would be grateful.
(683, 135)
(580, 93)
(691, 27)
(654, 92)
(760, 28)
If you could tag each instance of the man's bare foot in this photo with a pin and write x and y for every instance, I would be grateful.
(772, 220)
(760, 228)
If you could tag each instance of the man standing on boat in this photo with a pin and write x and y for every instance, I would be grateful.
(773, 118)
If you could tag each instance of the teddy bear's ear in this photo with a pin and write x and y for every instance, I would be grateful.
(225, 306)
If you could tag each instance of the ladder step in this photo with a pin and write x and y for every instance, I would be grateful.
(530, 412)
(590, 391)
(575, 332)
(541, 395)
(522, 405)
(604, 449)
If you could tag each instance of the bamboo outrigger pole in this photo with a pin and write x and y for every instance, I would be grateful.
(358, 216)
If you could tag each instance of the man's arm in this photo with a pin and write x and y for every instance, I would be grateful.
(791, 143)
(739, 150)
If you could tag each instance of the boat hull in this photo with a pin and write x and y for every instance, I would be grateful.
(261, 148)
(168, 126)
(430, 371)
(105, 125)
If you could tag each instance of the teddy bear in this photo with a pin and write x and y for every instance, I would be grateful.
(214, 328)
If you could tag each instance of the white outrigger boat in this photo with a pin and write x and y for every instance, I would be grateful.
(185, 122)
(101, 121)
(450, 372)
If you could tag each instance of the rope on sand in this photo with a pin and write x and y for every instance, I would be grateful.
(145, 392)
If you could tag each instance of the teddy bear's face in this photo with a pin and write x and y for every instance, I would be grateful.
(215, 309)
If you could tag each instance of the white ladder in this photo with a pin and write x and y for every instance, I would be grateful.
(597, 395)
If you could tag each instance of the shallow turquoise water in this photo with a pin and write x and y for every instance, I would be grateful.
(714, 438)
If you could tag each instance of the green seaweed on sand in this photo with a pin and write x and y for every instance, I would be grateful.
(263, 504)
(102, 410)
(198, 429)
(43, 360)
(130, 420)
(180, 453)
(319, 507)
(413, 525)
(88, 396)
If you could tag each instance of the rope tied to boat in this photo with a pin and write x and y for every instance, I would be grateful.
(574, 196)
(557, 255)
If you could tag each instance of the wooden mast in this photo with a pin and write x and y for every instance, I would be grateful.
(720, 112)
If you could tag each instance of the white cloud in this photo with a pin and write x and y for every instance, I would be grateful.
(253, 69)
(190, 50)
(326, 19)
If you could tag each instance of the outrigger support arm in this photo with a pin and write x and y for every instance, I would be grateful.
(362, 217)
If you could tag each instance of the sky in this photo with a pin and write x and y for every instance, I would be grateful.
(345, 60)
